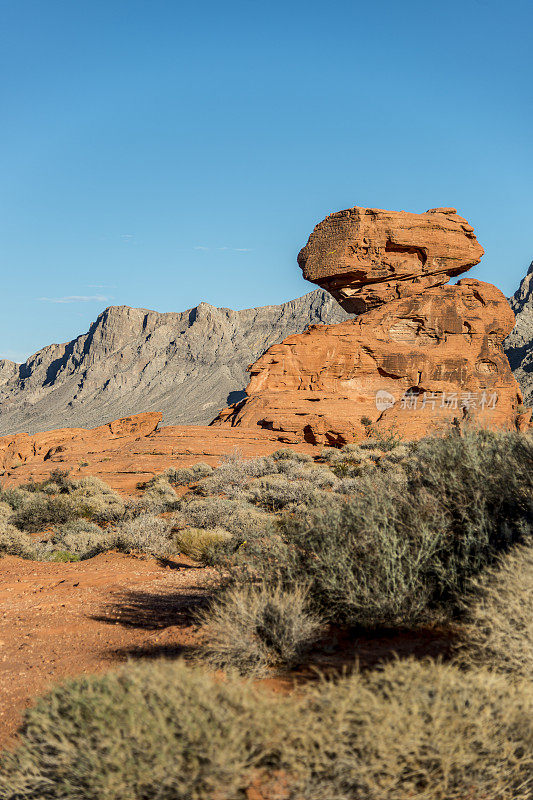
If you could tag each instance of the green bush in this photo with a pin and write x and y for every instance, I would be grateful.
(40, 511)
(254, 628)
(155, 730)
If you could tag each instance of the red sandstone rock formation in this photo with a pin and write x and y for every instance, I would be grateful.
(129, 450)
(423, 356)
(366, 256)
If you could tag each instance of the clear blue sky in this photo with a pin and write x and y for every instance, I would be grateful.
(158, 153)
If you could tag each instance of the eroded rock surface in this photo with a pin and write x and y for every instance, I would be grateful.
(423, 354)
(367, 256)
(129, 450)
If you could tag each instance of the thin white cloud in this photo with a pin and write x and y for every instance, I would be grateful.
(225, 247)
(76, 298)
(100, 286)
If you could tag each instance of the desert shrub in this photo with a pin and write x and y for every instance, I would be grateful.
(81, 538)
(232, 476)
(236, 516)
(14, 542)
(55, 502)
(276, 492)
(229, 478)
(371, 559)
(184, 475)
(5, 510)
(253, 628)
(40, 511)
(61, 477)
(203, 545)
(420, 730)
(320, 476)
(286, 454)
(146, 534)
(159, 496)
(484, 482)
(499, 624)
(14, 496)
(401, 548)
(96, 500)
(147, 730)
(50, 487)
(164, 730)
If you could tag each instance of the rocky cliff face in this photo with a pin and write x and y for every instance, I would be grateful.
(188, 365)
(420, 355)
(519, 344)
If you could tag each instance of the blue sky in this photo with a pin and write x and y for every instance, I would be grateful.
(158, 153)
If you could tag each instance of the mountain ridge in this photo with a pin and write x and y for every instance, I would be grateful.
(188, 364)
(519, 343)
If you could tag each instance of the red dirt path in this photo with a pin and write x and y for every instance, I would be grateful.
(58, 620)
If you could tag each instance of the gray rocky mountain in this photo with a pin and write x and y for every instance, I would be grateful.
(189, 364)
(519, 343)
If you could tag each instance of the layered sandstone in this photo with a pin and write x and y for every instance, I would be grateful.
(366, 256)
(423, 354)
(129, 450)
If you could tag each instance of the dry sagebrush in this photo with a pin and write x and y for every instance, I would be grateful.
(162, 730)
(499, 625)
(254, 628)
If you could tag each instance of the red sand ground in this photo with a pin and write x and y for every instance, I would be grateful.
(58, 620)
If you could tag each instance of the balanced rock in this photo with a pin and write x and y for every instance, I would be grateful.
(366, 256)
(423, 355)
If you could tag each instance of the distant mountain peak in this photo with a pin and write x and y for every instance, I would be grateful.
(188, 364)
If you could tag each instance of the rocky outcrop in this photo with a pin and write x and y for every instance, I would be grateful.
(128, 450)
(519, 343)
(420, 357)
(188, 365)
(366, 256)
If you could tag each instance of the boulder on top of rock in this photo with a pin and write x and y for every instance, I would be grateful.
(420, 356)
(367, 256)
